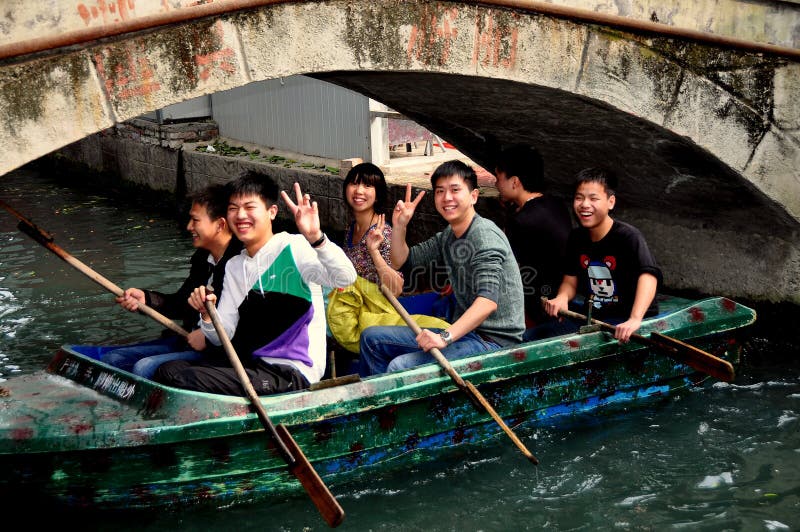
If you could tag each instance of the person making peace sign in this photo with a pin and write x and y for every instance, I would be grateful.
(272, 306)
(482, 270)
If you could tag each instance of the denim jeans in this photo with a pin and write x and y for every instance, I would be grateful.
(144, 359)
(393, 348)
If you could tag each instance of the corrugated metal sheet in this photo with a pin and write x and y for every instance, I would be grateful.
(299, 114)
(199, 107)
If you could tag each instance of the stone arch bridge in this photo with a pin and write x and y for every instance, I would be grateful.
(695, 104)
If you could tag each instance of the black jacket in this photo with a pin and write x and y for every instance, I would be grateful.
(176, 306)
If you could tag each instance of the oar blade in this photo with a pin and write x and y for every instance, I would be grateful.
(323, 499)
(682, 352)
(481, 400)
(695, 358)
(467, 387)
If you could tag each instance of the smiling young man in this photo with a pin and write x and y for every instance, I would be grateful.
(607, 261)
(212, 238)
(272, 307)
(486, 282)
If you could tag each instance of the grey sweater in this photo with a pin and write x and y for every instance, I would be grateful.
(480, 263)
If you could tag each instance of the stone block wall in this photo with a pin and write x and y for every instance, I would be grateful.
(133, 158)
(140, 152)
(202, 169)
(172, 135)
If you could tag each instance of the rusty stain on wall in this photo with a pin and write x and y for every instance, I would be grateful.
(221, 59)
(126, 73)
(495, 41)
(432, 36)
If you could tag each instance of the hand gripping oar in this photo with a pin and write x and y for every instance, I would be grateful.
(298, 464)
(465, 386)
(684, 353)
(46, 240)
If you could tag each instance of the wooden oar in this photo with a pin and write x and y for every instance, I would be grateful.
(465, 386)
(298, 464)
(46, 240)
(682, 352)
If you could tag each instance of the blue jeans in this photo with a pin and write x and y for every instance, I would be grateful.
(394, 348)
(144, 359)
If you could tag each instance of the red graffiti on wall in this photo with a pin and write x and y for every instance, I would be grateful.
(220, 59)
(130, 77)
(431, 38)
(495, 44)
(108, 11)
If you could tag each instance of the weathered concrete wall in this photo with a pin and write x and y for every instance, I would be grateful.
(739, 107)
(159, 167)
(772, 21)
(140, 152)
(591, 94)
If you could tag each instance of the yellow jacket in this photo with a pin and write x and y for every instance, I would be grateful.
(361, 305)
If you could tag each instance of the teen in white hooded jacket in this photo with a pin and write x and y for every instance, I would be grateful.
(272, 306)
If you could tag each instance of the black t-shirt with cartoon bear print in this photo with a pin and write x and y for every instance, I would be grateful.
(608, 270)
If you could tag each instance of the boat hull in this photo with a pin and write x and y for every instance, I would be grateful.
(85, 434)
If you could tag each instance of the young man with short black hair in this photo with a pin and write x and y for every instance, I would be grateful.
(607, 261)
(482, 271)
(537, 229)
(215, 244)
(272, 306)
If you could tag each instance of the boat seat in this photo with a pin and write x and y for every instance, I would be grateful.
(335, 381)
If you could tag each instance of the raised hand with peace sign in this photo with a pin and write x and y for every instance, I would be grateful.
(306, 215)
(404, 210)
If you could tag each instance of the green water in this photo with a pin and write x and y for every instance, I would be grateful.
(726, 457)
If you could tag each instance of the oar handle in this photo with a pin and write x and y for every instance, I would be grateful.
(466, 386)
(299, 466)
(233, 358)
(440, 358)
(46, 239)
(603, 325)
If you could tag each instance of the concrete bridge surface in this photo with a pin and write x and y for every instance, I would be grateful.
(695, 104)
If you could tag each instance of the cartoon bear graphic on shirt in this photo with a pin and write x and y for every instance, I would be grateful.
(601, 281)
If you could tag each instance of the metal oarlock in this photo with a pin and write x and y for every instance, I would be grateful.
(589, 327)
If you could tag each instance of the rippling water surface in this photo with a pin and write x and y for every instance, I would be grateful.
(725, 457)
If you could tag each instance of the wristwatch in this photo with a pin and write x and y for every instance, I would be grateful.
(447, 337)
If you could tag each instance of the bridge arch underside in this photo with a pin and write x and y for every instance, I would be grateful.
(711, 229)
(706, 140)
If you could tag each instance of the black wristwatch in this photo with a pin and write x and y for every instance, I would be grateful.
(319, 242)
(447, 337)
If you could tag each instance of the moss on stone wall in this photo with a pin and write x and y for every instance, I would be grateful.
(373, 31)
(180, 47)
(24, 90)
(223, 149)
(747, 78)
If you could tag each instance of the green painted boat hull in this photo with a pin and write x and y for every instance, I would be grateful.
(86, 434)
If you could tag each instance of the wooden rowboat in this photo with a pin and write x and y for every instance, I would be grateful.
(83, 433)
